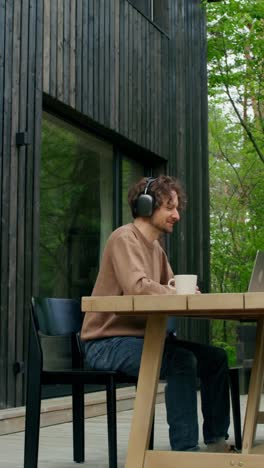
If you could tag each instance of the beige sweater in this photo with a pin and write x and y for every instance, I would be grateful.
(130, 265)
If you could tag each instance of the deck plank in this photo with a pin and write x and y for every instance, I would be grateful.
(56, 441)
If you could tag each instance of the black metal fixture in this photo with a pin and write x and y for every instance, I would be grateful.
(22, 139)
(19, 367)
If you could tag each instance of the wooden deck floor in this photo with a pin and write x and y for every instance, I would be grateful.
(56, 442)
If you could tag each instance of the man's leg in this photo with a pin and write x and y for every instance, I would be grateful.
(118, 353)
(178, 368)
(212, 368)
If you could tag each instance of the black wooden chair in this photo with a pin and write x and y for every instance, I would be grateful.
(55, 357)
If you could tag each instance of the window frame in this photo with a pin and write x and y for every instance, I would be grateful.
(150, 16)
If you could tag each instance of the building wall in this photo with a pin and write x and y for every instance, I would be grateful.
(126, 74)
(188, 158)
(107, 63)
(113, 67)
(20, 111)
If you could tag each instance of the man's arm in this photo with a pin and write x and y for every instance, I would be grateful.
(130, 267)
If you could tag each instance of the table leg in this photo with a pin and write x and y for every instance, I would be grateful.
(146, 390)
(255, 389)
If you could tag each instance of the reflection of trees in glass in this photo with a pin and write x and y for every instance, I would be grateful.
(132, 171)
(70, 208)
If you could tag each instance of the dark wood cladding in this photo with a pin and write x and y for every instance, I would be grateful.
(20, 111)
(113, 67)
(106, 60)
(188, 125)
(189, 148)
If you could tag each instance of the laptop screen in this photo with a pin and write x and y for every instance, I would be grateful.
(256, 283)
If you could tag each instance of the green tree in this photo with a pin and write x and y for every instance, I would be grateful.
(236, 64)
(236, 200)
(236, 145)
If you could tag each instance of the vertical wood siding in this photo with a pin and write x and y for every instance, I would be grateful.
(107, 61)
(190, 243)
(188, 129)
(112, 67)
(20, 110)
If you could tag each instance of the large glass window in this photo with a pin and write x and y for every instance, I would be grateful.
(76, 211)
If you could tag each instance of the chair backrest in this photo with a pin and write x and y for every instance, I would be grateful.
(56, 316)
(57, 321)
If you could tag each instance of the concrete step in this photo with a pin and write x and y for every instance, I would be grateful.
(59, 410)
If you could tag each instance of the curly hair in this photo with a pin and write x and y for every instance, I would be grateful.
(160, 188)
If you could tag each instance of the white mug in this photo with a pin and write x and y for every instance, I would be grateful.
(183, 284)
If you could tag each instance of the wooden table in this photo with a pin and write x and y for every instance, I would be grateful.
(249, 306)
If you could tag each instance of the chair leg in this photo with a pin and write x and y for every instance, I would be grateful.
(111, 422)
(32, 422)
(78, 422)
(235, 398)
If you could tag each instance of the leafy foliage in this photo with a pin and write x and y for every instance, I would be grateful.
(236, 64)
(236, 90)
(236, 145)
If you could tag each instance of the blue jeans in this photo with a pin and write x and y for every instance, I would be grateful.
(182, 363)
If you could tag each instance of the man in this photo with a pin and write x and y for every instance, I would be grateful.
(135, 263)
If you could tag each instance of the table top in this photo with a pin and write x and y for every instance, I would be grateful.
(236, 306)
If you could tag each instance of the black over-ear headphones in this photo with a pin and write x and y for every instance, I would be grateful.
(145, 203)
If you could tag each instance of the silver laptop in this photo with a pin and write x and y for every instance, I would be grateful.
(256, 283)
